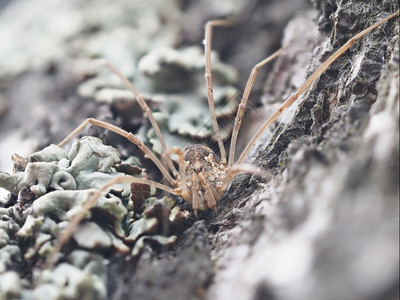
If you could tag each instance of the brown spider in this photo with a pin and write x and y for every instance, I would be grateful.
(202, 176)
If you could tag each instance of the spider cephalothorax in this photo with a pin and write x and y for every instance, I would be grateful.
(204, 176)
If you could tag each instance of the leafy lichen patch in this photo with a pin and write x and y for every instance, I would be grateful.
(51, 189)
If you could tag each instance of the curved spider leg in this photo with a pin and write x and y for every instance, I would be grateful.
(209, 80)
(244, 168)
(195, 197)
(243, 102)
(185, 191)
(211, 202)
(129, 136)
(91, 202)
(310, 80)
(145, 108)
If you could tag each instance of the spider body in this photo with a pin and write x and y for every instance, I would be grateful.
(204, 176)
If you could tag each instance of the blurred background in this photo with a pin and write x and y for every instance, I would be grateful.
(47, 88)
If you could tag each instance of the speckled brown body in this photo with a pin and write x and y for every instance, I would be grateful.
(204, 175)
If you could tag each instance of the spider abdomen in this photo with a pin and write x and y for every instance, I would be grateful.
(205, 175)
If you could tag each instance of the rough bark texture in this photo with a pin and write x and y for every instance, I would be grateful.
(326, 225)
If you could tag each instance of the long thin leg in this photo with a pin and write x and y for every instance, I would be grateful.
(87, 205)
(195, 193)
(243, 168)
(211, 201)
(310, 80)
(209, 80)
(185, 192)
(132, 138)
(243, 103)
(145, 108)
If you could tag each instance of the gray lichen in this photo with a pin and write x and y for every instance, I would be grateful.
(325, 228)
(10, 285)
(183, 114)
(175, 79)
(174, 70)
(66, 31)
(12, 182)
(50, 192)
(70, 282)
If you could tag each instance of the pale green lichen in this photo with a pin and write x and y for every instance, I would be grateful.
(180, 107)
(74, 283)
(4, 237)
(7, 228)
(161, 240)
(45, 184)
(30, 226)
(140, 227)
(12, 182)
(45, 211)
(43, 175)
(184, 117)
(98, 238)
(175, 70)
(89, 154)
(126, 30)
(9, 255)
(41, 246)
(10, 285)
(66, 204)
(157, 219)
(48, 154)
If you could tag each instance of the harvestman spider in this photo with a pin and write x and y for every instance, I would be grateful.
(202, 177)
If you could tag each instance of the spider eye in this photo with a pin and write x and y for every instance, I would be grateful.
(197, 169)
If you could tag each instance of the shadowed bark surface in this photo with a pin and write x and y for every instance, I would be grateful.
(326, 225)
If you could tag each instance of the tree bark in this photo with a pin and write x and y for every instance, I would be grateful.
(326, 225)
